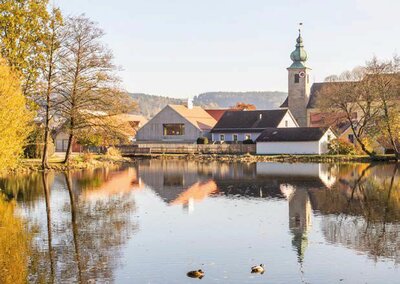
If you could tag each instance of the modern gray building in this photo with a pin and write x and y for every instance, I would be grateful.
(177, 124)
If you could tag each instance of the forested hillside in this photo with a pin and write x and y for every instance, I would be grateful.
(262, 100)
(149, 105)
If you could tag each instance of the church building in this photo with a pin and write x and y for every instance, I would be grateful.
(303, 97)
(298, 84)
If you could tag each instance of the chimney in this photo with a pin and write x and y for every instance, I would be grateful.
(189, 103)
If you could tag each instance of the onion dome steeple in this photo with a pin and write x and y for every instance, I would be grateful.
(299, 55)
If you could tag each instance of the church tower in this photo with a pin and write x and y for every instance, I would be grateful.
(299, 83)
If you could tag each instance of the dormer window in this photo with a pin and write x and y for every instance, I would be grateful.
(296, 78)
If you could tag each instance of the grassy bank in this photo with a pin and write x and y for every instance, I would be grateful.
(249, 158)
(77, 162)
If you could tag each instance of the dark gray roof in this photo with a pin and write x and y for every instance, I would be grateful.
(255, 120)
(316, 90)
(292, 134)
(285, 103)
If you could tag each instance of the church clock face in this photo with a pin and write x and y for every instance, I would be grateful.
(302, 74)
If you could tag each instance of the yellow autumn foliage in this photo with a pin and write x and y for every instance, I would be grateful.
(14, 117)
(14, 245)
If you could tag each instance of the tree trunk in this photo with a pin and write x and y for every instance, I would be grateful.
(359, 141)
(69, 148)
(45, 163)
(74, 224)
(46, 190)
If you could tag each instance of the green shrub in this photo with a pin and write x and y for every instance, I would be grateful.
(202, 140)
(248, 141)
(341, 147)
(35, 150)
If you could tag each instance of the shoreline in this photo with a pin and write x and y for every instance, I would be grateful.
(249, 158)
(34, 165)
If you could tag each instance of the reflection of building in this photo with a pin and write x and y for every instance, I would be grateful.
(299, 220)
(178, 182)
(308, 172)
(112, 183)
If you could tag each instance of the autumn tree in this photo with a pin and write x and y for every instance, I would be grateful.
(351, 100)
(50, 76)
(23, 27)
(243, 106)
(383, 77)
(90, 92)
(14, 117)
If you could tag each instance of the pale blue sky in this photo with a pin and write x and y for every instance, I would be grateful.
(181, 48)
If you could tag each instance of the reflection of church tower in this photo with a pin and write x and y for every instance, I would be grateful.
(299, 220)
(299, 83)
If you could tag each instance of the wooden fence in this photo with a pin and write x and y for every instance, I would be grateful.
(147, 149)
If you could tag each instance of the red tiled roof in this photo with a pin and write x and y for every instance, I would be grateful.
(216, 113)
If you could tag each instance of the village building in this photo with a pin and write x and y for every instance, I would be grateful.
(177, 124)
(303, 97)
(238, 126)
(128, 124)
(296, 140)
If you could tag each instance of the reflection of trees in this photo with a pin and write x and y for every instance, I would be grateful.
(26, 188)
(14, 245)
(97, 231)
(74, 225)
(46, 190)
(79, 240)
(366, 208)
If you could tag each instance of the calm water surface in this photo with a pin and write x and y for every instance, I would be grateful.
(153, 222)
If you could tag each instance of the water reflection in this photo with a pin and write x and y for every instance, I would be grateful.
(359, 204)
(80, 227)
(362, 211)
(87, 221)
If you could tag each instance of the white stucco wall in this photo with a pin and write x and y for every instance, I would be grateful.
(290, 121)
(229, 136)
(297, 147)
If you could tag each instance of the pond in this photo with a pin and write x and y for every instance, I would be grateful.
(155, 221)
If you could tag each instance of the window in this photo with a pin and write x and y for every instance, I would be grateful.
(286, 123)
(296, 78)
(329, 137)
(351, 138)
(247, 137)
(222, 137)
(235, 137)
(308, 78)
(174, 129)
(173, 179)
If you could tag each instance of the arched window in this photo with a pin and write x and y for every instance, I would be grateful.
(296, 78)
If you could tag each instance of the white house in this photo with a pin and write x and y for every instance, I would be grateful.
(238, 126)
(297, 140)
